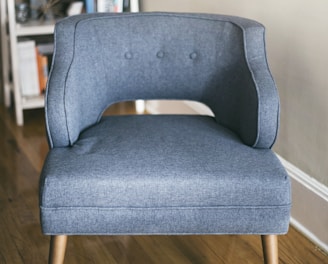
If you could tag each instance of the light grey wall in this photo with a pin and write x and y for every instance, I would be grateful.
(297, 46)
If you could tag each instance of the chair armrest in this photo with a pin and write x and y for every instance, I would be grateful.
(63, 116)
(250, 105)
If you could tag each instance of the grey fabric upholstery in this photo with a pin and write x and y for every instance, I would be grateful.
(162, 174)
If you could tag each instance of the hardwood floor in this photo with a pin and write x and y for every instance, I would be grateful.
(23, 150)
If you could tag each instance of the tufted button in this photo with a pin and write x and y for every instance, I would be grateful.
(128, 55)
(193, 55)
(160, 54)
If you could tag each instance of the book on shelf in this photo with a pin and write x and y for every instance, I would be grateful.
(115, 6)
(28, 68)
(126, 5)
(92, 6)
(44, 56)
(42, 61)
(134, 6)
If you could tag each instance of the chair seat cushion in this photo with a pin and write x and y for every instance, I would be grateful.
(163, 174)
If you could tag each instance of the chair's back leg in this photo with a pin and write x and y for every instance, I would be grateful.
(57, 249)
(270, 249)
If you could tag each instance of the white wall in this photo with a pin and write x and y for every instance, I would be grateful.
(297, 46)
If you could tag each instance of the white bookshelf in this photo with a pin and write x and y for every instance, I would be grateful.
(10, 58)
(16, 31)
(34, 28)
(5, 52)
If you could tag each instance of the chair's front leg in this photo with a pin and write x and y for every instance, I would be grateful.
(270, 249)
(57, 249)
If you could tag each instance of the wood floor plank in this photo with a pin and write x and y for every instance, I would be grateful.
(196, 249)
(235, 249)
(162, 250)
(20, 227)
(22, 152)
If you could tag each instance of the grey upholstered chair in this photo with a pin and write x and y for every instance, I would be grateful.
(162, 174)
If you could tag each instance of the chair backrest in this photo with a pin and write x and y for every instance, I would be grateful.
(101, 59)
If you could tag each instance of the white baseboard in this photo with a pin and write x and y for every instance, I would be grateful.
(177, 107)
(310, 206)
(169, 107)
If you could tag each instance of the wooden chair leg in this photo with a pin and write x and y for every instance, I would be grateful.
(57, 249)
(270, 249)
